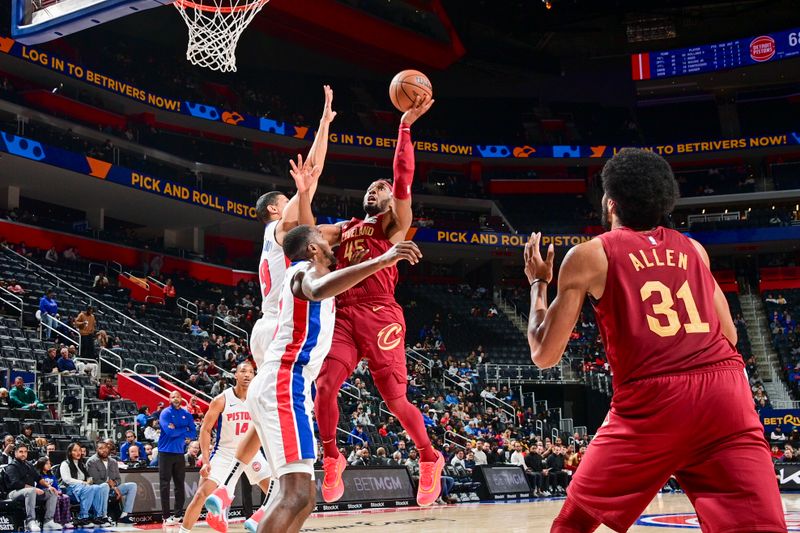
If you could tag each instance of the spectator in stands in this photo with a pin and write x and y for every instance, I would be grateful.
(207, 350)
(195, 409)
(130, 440)
(170, 295)
(192, 454)
(358, 436)
(13, 286)
(212, 370)
(7, 455)
(65, 362)
(134, 459)
(143, 417)
(777, 435)
(380, 457)
(396, 460)
(51, 255)
(794, 437)
(63, 514)
(177, 425)
(458, 459)
(70, 254)
(518, 457)
(183, 373)
(412, 464)
(86, 324)
(21, 479)
(48, 309)
(39, 448)
(101, 283)
(364, 458)
(81, 487)
(148, 454)
(200, 379)
(469, 462)
(197, 331)
(103, 469)
(555, 472)
(108, 391)
(22, 397)
(84, 369)
(5, 401)
(479, 453)
(534, 470)
(776, 452)
(103, 340)
(50, 363)
(788, 455)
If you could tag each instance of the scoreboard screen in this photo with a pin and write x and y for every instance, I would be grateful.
(718, 56)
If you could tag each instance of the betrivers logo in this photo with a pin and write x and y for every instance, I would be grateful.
(762, 48)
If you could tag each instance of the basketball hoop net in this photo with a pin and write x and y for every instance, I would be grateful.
(214, 29)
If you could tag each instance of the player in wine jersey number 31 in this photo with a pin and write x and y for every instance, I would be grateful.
(682, 403)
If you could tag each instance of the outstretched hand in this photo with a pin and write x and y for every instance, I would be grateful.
(535, 266)
(406, 250)
(421, 106)
(303, 174)
(328, 114)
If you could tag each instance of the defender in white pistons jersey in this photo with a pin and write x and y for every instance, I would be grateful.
(281, 404)
(280, 215)
(225, 423)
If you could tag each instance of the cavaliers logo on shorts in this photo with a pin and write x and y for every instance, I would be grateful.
(256, 466)
(390, 337)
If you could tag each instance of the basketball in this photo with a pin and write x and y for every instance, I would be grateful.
(406, 86)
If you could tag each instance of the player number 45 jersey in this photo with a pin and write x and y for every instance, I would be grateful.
(359, 236)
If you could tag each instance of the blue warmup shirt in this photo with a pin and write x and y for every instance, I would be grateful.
(174, 440)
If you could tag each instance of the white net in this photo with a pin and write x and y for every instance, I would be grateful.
(214, 30)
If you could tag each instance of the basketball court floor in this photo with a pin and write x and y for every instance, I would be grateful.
(667, 513)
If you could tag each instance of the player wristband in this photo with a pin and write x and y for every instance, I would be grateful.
(539, 280)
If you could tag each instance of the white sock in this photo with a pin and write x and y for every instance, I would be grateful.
(184, 530)
(123, 515)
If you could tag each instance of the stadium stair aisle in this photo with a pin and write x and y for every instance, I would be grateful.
(769, 365)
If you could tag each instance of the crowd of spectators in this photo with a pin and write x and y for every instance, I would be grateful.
(782, 307)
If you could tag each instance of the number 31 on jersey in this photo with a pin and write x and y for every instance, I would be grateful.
(665, 309)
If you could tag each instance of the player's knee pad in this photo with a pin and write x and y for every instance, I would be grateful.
(573, 519)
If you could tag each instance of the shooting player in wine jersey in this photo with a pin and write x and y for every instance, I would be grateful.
(279, 215)
(370, 323)
(227, 420)
(682, 403)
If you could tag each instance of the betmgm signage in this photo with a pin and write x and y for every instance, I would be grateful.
(370, 488)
